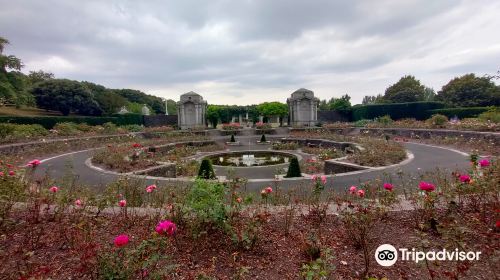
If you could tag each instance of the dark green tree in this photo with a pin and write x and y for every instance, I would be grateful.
(263, 138)
(293, 169)
(65, 96)
(206, 170)
(470, 91)
(407, 89)
(232, 138)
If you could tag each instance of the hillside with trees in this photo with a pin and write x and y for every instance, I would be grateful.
(42, 90)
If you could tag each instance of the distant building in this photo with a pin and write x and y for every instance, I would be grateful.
(303, 108)
(145, 110)
(123, 110)
(191, 111)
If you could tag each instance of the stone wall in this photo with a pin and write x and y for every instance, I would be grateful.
(334, 167)
(319, 143)
(166, 170)
(160, 120)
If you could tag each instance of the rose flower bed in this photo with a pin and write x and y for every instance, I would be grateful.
(212, 230)
(377, 152)
(124, 158)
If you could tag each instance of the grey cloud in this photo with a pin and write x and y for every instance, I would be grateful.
(249, 44)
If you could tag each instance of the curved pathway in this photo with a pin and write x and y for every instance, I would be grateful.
(426, 158)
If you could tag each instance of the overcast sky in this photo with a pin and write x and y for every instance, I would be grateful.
(247, 52)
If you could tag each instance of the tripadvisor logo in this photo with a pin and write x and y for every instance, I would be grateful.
(387, 255)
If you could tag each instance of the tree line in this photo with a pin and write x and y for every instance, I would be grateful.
(468, 90)
(43, 90)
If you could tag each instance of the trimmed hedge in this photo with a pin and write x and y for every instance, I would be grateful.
(470, 112)
(416, 110)
(50, 121)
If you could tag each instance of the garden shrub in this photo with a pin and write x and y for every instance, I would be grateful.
(417, 110)
(263, 138)
(133, 127)
(109, 127)
(469, 112)
(206, 170)
(362, 123)
(205, 201)
(384, 120)
(67, 129)
(10, 132)
(232, 139)
(493, 115)
(438, 120)
(294, 169)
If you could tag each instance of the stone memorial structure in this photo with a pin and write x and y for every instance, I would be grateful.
(191, 110)
(302, 108)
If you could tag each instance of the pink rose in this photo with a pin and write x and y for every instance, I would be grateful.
(12, 173)
(353, 189)
(1, 174)
(121, 240)
(388, 186)
(464, 178)
(122, 203)
(268, 190)
(150, 188)
(484, 163)
(54, 189)
(361, 193)
(78, 203)
(166, 227)
(34, 163)
(239, 200)
(314, 177)
(426, 186)
(323, 179)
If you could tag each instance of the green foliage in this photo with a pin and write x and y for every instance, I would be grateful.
(109, 101)
(12, 132)
(263, 138)
(470, 91)
(384, 120)
(206, 170)
(134, 96)
(205, 201)
(407, 89)
(39, 76)
(50, 121)
(438, 120)
(416, 110)
(293, 169)
(493, 115)
(470, 112)
(342, 104)
(318, 269)
(67, 128)
(273, 109)
(65, 96)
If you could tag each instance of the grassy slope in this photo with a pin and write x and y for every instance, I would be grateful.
(27, 111)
